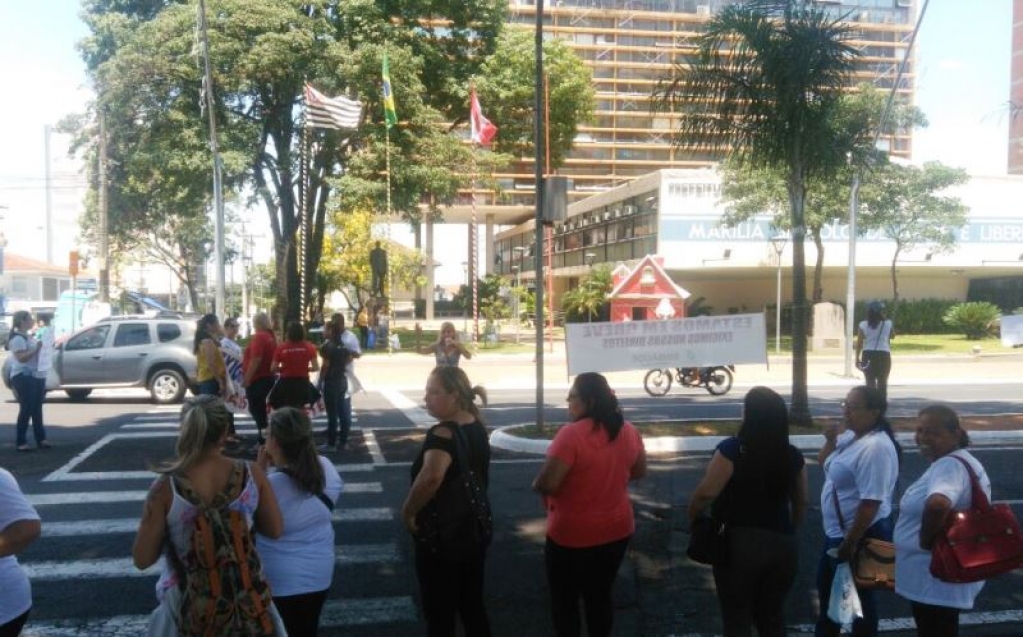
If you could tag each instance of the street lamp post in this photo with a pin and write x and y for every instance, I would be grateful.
(778, 243)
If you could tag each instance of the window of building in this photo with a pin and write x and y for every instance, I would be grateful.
(19, 285)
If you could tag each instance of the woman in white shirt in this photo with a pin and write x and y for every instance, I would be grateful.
(945, 487)
(30, 390)
(299, 565)
(861, 466)
(874, 347)
(19, 527)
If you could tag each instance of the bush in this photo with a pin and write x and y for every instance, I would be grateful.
(975, 320)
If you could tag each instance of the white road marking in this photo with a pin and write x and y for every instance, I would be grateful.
(965, 619)
(370, 439)
(344, 555)
(336, 613)
(130, 525)
(419, 416)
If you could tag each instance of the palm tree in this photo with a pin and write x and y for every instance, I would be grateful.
(764, 88)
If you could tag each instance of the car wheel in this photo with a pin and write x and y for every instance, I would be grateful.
(77, 395)
(167, 386)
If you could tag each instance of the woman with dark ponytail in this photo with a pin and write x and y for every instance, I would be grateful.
(584, 484)
(299, 565)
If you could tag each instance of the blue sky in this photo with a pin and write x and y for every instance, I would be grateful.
(963, 87)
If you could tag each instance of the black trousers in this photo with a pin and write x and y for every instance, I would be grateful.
(451, 589)
(256, 394)
(935, 621)
(878, 369)
(301, 613)
(13, 627)
(583, 572)
(752, 588)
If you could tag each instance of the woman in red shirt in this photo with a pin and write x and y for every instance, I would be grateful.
(584, 483)
(293, 360)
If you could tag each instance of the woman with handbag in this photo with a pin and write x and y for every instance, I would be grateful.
(29, 390)
(293, 360)
(456, 451)
(757, 483)
(923, 514)
(874, 347)
(299, 565)
(861, 468)
(584, 483)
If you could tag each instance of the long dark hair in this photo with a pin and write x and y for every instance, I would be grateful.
(875, 314)
(601, 402)
(874, 400)
(293, 432)
(202, 331)
(764, 440)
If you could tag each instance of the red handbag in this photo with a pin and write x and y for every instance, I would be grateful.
(977, 544)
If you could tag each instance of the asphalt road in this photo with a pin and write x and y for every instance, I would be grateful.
(89, 492)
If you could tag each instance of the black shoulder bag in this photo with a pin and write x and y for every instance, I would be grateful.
(708, 534)
(456, 524)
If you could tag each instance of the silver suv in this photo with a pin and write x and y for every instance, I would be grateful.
(129, 351)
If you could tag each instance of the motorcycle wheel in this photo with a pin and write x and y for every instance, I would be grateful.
(657, 382)
(719, 381)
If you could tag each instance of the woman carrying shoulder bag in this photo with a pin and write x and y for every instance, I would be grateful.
(923, 513)
(30, 390)
(874, 347)
(757, 483)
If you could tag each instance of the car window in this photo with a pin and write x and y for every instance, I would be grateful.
(92, 338)
(167, 332)
(129, 334)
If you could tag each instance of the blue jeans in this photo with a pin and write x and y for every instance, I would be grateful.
(210, 386)
(865, 626)
(31, 392)
(339, 410)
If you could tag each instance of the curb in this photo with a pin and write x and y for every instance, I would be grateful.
(703, 444)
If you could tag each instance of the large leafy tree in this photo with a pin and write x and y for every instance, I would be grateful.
(751, 190)
(588, 300)
(764, 86)
(907, 204)
(141, 55)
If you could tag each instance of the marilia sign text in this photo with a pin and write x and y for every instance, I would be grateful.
(689, 342)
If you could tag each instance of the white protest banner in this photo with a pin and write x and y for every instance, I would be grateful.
(700, 341)
(1012, 330)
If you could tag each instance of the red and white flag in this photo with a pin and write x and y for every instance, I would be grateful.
(482, 130)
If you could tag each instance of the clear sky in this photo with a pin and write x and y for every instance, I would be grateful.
(963, 87)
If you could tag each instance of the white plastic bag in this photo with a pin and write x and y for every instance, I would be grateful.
(844, 606)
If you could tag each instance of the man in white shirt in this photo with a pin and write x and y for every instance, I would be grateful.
(350, 342)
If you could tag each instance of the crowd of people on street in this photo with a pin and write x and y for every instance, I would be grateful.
(248, 547)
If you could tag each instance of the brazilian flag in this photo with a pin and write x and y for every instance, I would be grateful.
(390, 115)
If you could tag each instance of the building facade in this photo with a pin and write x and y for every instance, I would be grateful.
(676, 215)
(1016, 92)
(630, 45)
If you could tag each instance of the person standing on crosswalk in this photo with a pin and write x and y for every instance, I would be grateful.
(449, 587)
(299, 565)
(19, 527)
(258, 378)
(198, 481)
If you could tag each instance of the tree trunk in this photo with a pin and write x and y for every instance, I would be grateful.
(895, 276)
(799, 407)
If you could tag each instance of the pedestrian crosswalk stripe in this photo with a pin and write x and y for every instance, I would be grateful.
(130, 525)
(345, 555)
(419, 416)
(106, 497)
(336, 613)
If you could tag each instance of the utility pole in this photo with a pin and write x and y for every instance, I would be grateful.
(104, 227)
(218, 188)
(49, 194)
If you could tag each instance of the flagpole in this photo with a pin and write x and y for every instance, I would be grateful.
(304, 229)
(474, 256)
(387, 220)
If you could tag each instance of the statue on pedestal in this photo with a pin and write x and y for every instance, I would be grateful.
(378, 266)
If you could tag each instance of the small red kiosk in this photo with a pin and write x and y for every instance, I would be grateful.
(646, 293)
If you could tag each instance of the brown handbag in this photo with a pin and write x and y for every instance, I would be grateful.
(873, 561)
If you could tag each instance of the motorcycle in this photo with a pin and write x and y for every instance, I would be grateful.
(716, 380)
